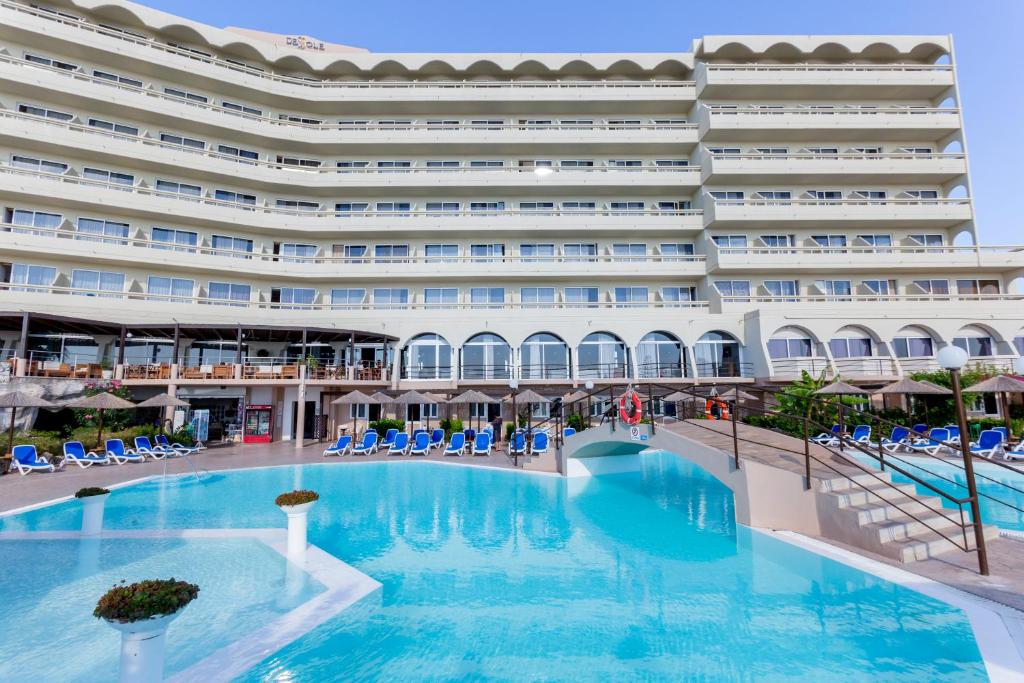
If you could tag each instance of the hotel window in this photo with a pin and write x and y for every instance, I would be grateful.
(183, 240)
(576, 163)
(850, 347)
(1018, 342)
(238, 246)
(22, 274)
(625, 163)
(526, 164)
(393, 166)
(227, 291)
(776, 197)
(536, 123)
(296, 161)
(674, 206)
(870, 195)
(576, 124)
(725, 153)
(733, 288)
(437, 297)
(922, 195)
(580, 252)
(443, 124)
(179, 188)
(440, 208)
(972, 287)
(97, 281)
(344, 208)
(669, 123)
(185, 95)
(726, 195)
(47, 113)
(677, 296)
(385, 298)
(825, 196)
(106, 176)
(395, 124)
(730, 241)
(234, 197)
(878, 241)
(675, 251)
(41, 165)
(487, 124)
(351, 124)
(49, 61)
(980, 346)
(349, 165)
(821, 151)
(302, 119)
(624, 123)
(293, 250)
(246, 154)
(96, 230)
(486, 163)
(352, 252)
(193, 50)
(928, 241)
(783, 288)
(671, 163)
(789, 348)
(487, 253)
(915, 150)
(347, 297)
(631, 295)
(170, 286)
(578, 206)
(241, 108)
(536, 295)
(391, 253)
(292, 295)
(393, 207)
(443, 165)
(32, 219)
(937, 287)
(629, 252)
(582, 295)
(117, 78)
(531, 253)
(295, 205)
(537, 207)
(836, 243)
(624, 208)
(880, 287)
(778, 241)
(772, 152)
(866, 151)
(179, 140)
(113, 126)
(491, 297)
(835, 288)
(441, 253)
(487, 206)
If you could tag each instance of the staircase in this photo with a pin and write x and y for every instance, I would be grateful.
(892, 520)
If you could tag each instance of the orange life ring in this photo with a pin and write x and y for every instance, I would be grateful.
(630, 408)
(723, 409)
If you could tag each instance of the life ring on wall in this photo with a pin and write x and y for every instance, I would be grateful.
(630, 408)
(716, 409)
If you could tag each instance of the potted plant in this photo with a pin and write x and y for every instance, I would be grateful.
(142, 612)
(93, 499)
(105, 369)
(296, 505)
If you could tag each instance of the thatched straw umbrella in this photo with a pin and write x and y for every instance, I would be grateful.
(163, 401)
(354, 398)
(840, 388)
(1002, 385)
(20, 399)
(412, 398)
(100, 402)
(473, 396)
(910, 387)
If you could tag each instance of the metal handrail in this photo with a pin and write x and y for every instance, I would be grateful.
(840, 156)
(900, 66)
(757, 250)
(844, 201)
(831, 111)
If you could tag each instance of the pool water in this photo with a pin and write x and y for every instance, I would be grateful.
(51, 588)
(496, 575)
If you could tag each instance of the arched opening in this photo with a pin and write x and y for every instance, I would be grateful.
(976, 341)
(544, 356)
(661, 354)
(602, 355)
(1018, 342)
(486, 356)
(718, 354)
(915, 348)
(855, 351)
(427, 356)
(793, 350)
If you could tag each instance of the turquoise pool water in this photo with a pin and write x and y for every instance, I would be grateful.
(492, 575)
(51, 587)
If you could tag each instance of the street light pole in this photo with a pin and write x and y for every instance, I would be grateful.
(953, 358)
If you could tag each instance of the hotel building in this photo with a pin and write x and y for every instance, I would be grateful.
(245, 218)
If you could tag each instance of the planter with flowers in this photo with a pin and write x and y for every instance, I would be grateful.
(296, 505)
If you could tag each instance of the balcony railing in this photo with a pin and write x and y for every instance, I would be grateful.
(663, 370)
(831, 68)
(325, 84)
(724, 369)
(773, 254)
(867, 298)
(64, 365)
(817, 112)
(839, 156)
(845, 201)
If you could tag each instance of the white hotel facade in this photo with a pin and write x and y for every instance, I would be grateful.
(757, 206)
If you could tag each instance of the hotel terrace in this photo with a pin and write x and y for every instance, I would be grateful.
(242, 218)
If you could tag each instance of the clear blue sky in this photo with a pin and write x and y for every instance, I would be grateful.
(987, 35)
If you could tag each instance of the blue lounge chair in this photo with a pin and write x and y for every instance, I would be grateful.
(517, 446)
(897, 439)
(470, 435)
(567, 432)
(861, 434)
(24, 457)
(144, 447)
(389, 439)
(1005, 432)
(163, 442)
(456, 444)
(340, 447)
(989, 443)
(921, 428)
(482, 444)
(954, 432)
(421, 444)
(120, 454)
(400, 445)
(540, 443)
(369, 444)
(437, 438)
(933, 443)
(1016, 453)
(75, 452)
(830, 438)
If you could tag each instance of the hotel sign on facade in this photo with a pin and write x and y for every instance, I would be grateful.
(304, 43)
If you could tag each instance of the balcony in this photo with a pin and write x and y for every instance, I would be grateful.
(864, 258)
(352, 96)
(852, 123)
(825, 81)
(852, 167)
(875, 368)
(837, 213)
(960, 305)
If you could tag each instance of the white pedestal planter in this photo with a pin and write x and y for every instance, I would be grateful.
(92, 514)
(143, 644)
(297, 523)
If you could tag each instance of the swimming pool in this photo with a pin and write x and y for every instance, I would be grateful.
(496, 575)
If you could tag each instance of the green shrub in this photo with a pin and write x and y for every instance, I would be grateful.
(576, 421)
(383, 425)
(45, 442)
(90, 491)
(145, 599)
(299, 497)
(509, 428)
(450, 425)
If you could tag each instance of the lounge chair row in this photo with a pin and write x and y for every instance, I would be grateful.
(25, 458)
(934, 441)
(421, 443)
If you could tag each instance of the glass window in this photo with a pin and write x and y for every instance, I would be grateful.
(393, 166)
(106, 176)
(88, 227)
(391, 253)
(629, 252)
(730, 241)
(183, 240)
(717, 354)
(441, 253)
(234, 197)
(782, 288)
(388, 207)
(185, 95)
(233, 245)
(242, 154)
(671, 163)
(586, 296)
(531, 253)
(678, 296)
(580, 252)
(241, 108)
(1018, 342)
(227, 291)
(733, 288)
(390, 298)
(293, 295)
(112, 126)
(440, 208)
(726, 195)
(674, 206)
(913, 347)
(836, 243)
(179, 188)
(46, 113)
(441, 297)
(443, 164)
(488, 297)
(347, 297)
(295, 205)
(631, 295)
(537, 295)
(428, 356)
(880, 287)
(977, 286)
(171, 139)
(486, 253)
(353, 252)
(660, 354)
(579, 206)
(544, 356)
(619, 208)
(24, 274)
(49, 61)
(602, 356)
(297, 251)
(285, 160)
(789, 348)
(487, 206)
(675, 251)
(291, 118)
(349, 165)
(97, 281)
(343, 208)
(937, 287)
(170, 286)
(486, 356)
(537, 206)
(850, 347)
(33, 219)
(40, 165)
(976, 347)
(835, 288)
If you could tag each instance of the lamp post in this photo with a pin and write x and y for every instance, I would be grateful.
(953, 358)
(513, 384)
(590, 387)
(1018, 369)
